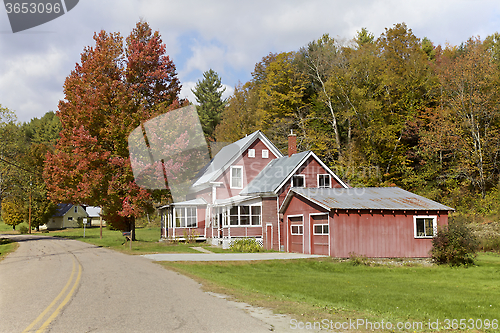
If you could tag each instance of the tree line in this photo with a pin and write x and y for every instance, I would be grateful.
(391, 110)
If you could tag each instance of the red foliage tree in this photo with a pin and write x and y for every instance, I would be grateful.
(111, 92)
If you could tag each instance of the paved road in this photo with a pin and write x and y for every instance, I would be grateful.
(58, 285)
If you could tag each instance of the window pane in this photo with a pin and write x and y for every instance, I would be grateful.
(233, 220)
(429, 227)
(244, 210)
(244, 220)
(324, 180)
(301, 229)
(318, 229)
(236, 177)
(298, 181)
(420, 227)
(234, 210)
(255, 220)
(255, 210)
(179, 217)
(325, 229)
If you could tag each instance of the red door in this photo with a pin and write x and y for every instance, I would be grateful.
(319, 234)
(269, 237)
(295, 234)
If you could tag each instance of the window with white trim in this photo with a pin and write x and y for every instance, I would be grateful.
(425, 226)
(265, 153)
(297, 229)
(324, 181)
(299, 181)
(236, 176)
(245, 215)
(185, 217)
(320, 229)
(251, 153)
(76, 209)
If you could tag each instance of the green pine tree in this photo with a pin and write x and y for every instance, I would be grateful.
(208, 93)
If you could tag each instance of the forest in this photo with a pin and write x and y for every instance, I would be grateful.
(392, 110)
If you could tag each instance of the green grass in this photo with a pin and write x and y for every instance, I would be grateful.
(147, 240)
(329, 288)
(6, 247)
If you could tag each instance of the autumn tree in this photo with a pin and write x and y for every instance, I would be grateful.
(112, 91)
(470, 81)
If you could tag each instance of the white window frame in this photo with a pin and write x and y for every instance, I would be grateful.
(304, 181)
(323, 225)
(434, 225)
(300, 229)
(265, 153)
(250, 216)
(329, 180)
(251, 153)
(183, 224)
(76, 209)
(231, 176)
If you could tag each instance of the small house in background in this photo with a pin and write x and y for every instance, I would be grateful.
(295, 203)
(94, 214)
(66, 216)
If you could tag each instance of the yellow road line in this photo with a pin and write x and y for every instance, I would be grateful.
(53, 302)
(64, 302)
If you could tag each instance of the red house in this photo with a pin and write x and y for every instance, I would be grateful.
(295, 203)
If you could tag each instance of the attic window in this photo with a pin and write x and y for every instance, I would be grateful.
(299, 181)
(265, 153)
(236, 177)
(76, 209)
(251, 153)
(324, 181)
(425, 226)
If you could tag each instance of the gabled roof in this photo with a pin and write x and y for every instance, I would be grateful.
(62, 209)
(228, 155)
(93, 211)
(279, 171)
(386, 198)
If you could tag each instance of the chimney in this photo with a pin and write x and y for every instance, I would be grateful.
(292, 144)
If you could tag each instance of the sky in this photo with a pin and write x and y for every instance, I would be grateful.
(229, 37)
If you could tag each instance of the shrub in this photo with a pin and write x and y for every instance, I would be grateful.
(23, 229)
(357, 260)
(248, 245)
(454, 244)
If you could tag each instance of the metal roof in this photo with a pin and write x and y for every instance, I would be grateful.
(193, 202)
(387, 198)
(270, 178)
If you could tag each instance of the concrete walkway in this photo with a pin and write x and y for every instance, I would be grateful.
(227, 256)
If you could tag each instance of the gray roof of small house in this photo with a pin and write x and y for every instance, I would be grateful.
(93, 211)
(387, 198)
(274, 174)
(227, 155)
(62, 209)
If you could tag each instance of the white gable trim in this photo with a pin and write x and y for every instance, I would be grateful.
(323, 165)
(289, 196)
(257, 135)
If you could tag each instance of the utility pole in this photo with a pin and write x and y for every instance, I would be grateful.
(29, 210)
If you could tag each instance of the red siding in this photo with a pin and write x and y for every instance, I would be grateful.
(270, 216)
(373, 234)
(252, 166)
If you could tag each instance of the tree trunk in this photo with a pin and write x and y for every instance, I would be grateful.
(132, 227)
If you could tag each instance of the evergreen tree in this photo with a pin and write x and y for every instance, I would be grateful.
(208, 94)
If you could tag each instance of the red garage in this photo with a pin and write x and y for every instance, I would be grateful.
(374, 222)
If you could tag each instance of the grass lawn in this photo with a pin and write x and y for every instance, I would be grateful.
(6, 246)
(147, 240)
(327, 288)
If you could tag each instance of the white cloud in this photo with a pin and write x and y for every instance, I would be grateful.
(227, 36)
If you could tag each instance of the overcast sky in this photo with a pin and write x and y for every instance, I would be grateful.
(227, 36)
